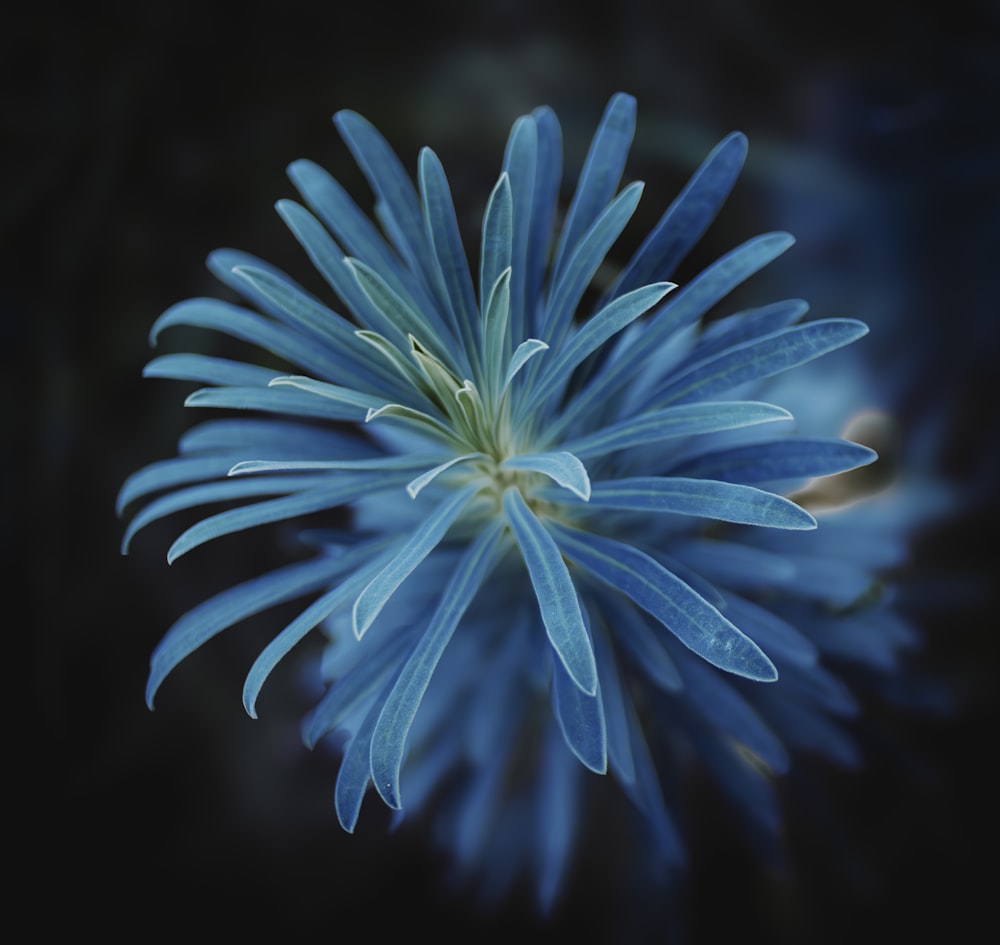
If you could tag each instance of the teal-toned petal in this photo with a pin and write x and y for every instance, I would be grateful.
(745, 326)
(288, 402)
(335, 392)
(248, 435)
(614, 700)
(581, 267)
(522, 354)
(349, 695)
(397, 198)
(600, 176)
(557, 597)
(581, 719)
(544, 204)
(389, 737)
(225, 491)
(424, 540)
(168, 474)
(676, 421)
(707, 498)
(328, 496)
(231, 606)
(363, 561)
(498, 228)
(683, 309)
(519, 164)
(595, 332)
(770, 461)
(297, 349)
(208, 370)
(354, 774)
(415, 487)
(562, 467)
(686, 614)
(687, 218)
(400, 320)
(457, 296)
(406, 461)
(646, 647)
(760, 358)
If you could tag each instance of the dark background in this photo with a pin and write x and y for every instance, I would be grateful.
(137, 141)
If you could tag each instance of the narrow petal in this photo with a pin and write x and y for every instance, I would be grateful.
(557, 598)
(424, 540)
(707, 498)
(389, 736)
(562, 467)
(695, 622)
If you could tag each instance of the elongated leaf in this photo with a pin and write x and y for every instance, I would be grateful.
(208, 370)
(400, 320)
(373, 671)
(498, 227)
(763, 357)
(320, 360)
(524, 351)
(496, 334)
(250, 435)
(687, 218)
(315, 320)
(287, 402)
(735, 565)
(225, 491)
(231, 606)
(585, 260)
(544, 203)
(424, 479)
(679, 420)
(777, 460)
(334, 493)
(614, 701)
(600, 176)
(168, 474)
(695, 622)
(520, 163)
(562, 467)
(581, 718)
(354, 774)
(330, 391)
(389, 736)
(683, 309)
(557, 598)
(594, 333)
(363, 561)
(707, 498)
(341, 215)
(423, 541)
(770, 632)
(407, 461)
(397, 198)
(457, 297)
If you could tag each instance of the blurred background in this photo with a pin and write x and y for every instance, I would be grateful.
(138, 140)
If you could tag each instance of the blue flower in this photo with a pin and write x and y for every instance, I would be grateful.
(568, 546)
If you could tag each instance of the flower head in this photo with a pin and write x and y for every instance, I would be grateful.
(570, 544)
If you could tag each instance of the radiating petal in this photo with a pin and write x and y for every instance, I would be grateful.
(695, 622)
(557, 597)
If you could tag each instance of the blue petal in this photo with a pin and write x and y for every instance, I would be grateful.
(687, 218)
(389, 736)
(708, 498)
(581, 719)
(695, 622)
(231, 606)
(562, 467)
(557, 598)
(424, 540)
(680, 420)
